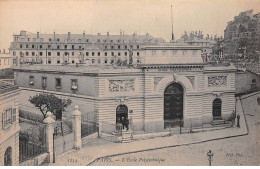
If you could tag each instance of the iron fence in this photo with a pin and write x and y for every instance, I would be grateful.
(88, 125)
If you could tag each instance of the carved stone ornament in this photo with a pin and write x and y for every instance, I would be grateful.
(121, 85)
(217, 81)
(191, 79)
(156, 81)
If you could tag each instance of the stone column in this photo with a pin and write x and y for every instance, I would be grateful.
(49, 122)
(76, 120)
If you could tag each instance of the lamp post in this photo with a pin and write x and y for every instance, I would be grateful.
(210, 157)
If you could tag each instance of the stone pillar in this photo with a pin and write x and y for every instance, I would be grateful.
(76, 120)
(49, 122)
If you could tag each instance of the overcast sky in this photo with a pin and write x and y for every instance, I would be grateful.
(141, 16)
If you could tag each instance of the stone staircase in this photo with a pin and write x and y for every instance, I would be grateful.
(218, 122)
(127, 136)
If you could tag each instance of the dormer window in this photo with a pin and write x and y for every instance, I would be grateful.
(31, 81)
(74, 84)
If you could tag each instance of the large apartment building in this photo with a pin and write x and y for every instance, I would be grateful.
(58, 49)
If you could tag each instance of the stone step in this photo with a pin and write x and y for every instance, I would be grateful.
(218, 122)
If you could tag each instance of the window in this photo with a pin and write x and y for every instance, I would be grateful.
(49, 61)
(112, 47)
(40, 53)
(27, 53)
(125, 46)
(93, 53)
(118, 46)
(21, 46)
(87, 40)
(58, 46)
(112, 53)
(111, 40)
(86, 53)
(58, 39)
(79, 47)
(105, 61)
(119, 54)
(72, 46)
(40, 46)
(49, 46)
(27, 46)
(74, 84)
(65, 46)
(72, 53)
(137, 53)
(14, 53)
(98, 53)
(72, 61)
(105, 47)
(31, 80)
(58, 53)
(98, 40)
(253, 81)
(105, 53)
(8, 157)
(125, 53)
(33, 53)
(58, 61)
(58, 82)
(8, 117)
(137, 46)
(216, 107)
(93, 60)
(50, 39)
(32, 46)
(49, 53)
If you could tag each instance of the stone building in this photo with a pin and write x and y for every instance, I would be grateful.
(6, 60)
(242, 37)
(58, 49)
(9, 119)
(171, 84)
(197, 38)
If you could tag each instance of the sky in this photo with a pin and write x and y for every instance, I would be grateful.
(100, 16)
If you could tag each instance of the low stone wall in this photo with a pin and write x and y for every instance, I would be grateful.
(36, 161)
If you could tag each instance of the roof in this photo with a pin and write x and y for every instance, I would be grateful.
(80, 37)
(7, 87)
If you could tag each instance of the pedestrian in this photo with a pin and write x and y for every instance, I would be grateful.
(127, 123)
(238, 118)
(233, 118)
(123, 122)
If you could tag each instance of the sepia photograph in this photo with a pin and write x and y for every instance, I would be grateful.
(129, 83)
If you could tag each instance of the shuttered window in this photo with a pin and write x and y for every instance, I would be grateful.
(8, 117)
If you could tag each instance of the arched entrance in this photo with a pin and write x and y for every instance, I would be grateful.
(216, 108)
(8, 157)
(121, 111)
(173, 104)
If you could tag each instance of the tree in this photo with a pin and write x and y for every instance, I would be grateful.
(49, 102)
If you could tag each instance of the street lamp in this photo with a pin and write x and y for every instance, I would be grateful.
(210, 157)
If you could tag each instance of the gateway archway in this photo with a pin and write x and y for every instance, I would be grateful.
(173, 104)
(121, 112)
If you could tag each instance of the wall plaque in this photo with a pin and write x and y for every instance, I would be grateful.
(121, 85)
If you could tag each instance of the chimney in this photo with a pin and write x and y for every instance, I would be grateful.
(68, 35)
(4, 51)
(54, 35)
(84, 35)
(38, 35)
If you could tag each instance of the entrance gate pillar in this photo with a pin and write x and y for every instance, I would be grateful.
(76, 121)
(49, 122)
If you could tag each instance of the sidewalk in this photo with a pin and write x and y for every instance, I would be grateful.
(100, 148)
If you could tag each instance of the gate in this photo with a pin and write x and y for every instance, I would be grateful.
(32, 143)
(88, 125)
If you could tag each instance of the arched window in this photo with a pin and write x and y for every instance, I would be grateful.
(8, 157)
(216, 108)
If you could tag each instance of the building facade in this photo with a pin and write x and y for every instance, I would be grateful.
(58, 49)
(164, 89)
(196, 38)
(9, 119)
(6, 60)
